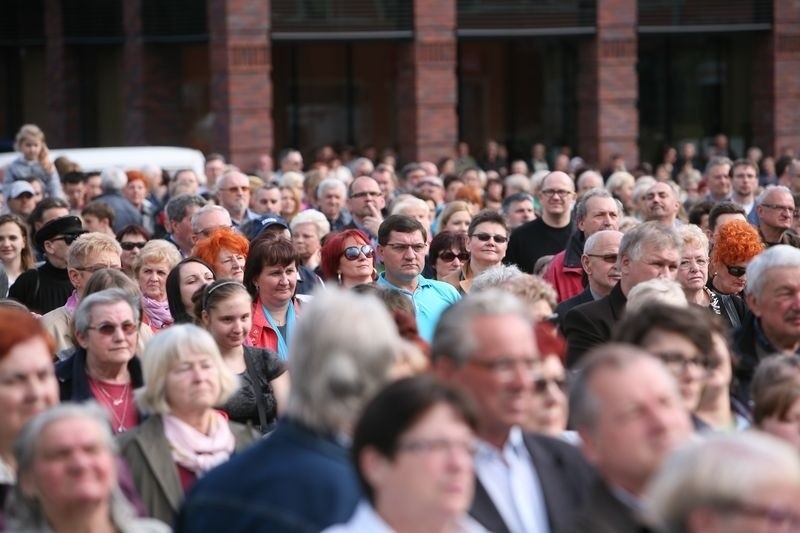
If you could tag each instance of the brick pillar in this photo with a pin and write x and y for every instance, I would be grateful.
(427, 84)
(608, 86)
(63, 126)
(241, 83)
(133, 63)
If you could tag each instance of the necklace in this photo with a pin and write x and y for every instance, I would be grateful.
(112, 402)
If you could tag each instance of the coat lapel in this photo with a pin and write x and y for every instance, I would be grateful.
(155, 449)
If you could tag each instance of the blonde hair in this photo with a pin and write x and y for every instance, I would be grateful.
(169, 347)
(157, 251)
(32, 131)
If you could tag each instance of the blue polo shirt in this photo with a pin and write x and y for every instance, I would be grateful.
(430, 299)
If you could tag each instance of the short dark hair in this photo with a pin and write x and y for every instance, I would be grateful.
(517, 197)
(698, 210)
(445, 241)
(395, 410)
(693, 323)
(487, 215)
(176, 308)
(782, 163)
(264, 252)
(46, 203)
(73, 178)
(101, 210)
(178, 205)
(723, 208)
(401, 224)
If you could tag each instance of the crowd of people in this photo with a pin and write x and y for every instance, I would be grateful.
(477, 344)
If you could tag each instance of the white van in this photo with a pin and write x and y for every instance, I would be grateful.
(170, 158)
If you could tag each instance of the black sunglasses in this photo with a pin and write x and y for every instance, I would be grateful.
(484, 237)
(351, 253)
(68, 239)
(128, 246)
(736, 271)
(450, 256)
(541, 384)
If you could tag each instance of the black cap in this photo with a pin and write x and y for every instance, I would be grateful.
(68, 225)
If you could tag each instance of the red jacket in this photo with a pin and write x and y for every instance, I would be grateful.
(261, 333)
(567, 281)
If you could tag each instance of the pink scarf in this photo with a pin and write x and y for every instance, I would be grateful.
(72, 302)
(195, 451)
(157, 312)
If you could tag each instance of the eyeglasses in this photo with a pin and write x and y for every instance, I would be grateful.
(242, 188)
(679, 363)
(351, 253)
(541, 384)
(504, 367)
(447, 257)
(108, 329)
(438, 446)
(778, 207)
(68, 239)
(736, 271)
(484, 237)
(557, 192)
(397, 247)
(365, 194)
(128, 246)
(607, 258)
(94, 268)
(686, 264)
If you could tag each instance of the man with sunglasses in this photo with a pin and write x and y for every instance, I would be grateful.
(597, 210)
(548, 234)
(402, 246)
(233, 191)
(48, 286)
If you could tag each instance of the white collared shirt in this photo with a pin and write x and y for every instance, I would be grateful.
(510, 479)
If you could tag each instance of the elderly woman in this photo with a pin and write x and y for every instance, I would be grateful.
(620, 185)
(151, 268)
(68, 476)
(224, 309)
(132, 239)
(455, 217)
(184, 436)
(448, 253)
(308, 229)
(412, 450)
(742, 483)
(777, 412)
(29, 384)
(348, 258)
(487, 244)
(104, 367)
(736, 244)
(226, 251)
(183, 282)
(270, 275)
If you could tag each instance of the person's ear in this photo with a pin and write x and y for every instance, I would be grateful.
(74, 277)
(374, 467)
(82, 339)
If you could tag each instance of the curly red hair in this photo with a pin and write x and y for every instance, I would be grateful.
(333, 248)
(208, 249)
(736, 242)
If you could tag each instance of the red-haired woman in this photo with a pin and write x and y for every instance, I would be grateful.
(349, 258)
(226, 252)
(736, 244)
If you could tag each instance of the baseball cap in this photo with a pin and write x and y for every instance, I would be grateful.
(19, 188)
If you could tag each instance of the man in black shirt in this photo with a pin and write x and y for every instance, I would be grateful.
(46, 287)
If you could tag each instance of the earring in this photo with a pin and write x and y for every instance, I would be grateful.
(339, 275)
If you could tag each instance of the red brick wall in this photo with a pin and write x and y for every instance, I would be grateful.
(241, 84)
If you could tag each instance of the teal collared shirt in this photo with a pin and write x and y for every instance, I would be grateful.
(430, 299)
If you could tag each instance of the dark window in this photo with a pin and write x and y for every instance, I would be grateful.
(174, 20)
(488, 18)
(664, 13)
(341, 19)
(22, 22)
(92, 21)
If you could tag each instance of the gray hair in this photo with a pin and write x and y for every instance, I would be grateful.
(518, 181)
(83, 315)
(692, 235)
(494, 277)
(780, 256)
(718, 161)
(454, 337)
(339, 357)
(657, 290)
(771, 188)
(618, 179)
(208, 208)
(178, 205)
(291, 179)
(584, 406)
(582, 209)
(113, 179)
(312, 216)
(25, 510)
(400, 206)
(718, 473)
(331, 183)
(653, 233)
(591, 243)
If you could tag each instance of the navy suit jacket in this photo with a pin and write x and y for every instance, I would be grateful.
(565, 478)
(591, 324)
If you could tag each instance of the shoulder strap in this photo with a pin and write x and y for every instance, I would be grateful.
(258, 391)
(727, 301)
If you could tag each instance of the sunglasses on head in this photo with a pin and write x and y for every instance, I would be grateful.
(108, 329)
(484, 237)
(351, 253)
(736, 271)
(450, 256)
(128, 246)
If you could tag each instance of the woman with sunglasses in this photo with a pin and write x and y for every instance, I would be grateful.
(736, 244)
(548, 412)
(448, 252)
(487, 244)
(132, 239)
(348, 258)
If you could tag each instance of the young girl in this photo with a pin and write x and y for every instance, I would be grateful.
(34, 162)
